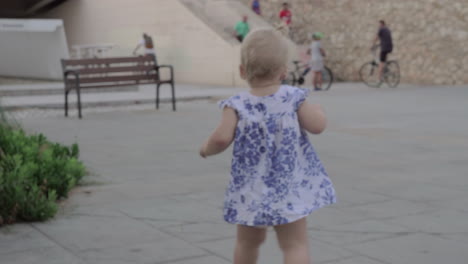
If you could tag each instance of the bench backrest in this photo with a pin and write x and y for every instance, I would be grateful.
(108, 72)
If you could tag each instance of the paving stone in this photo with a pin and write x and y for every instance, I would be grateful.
(200, 232)
(79, 233)
(204, 260)
(20, 238)
(393, 208)
(414, 249)
(49, 255)
(168, 209)
(358, 232)
(330, 216)
(421, 191)
(459, 237)
(271, 254)
(353, 260)
(445, 221)
(163, 250)
(350, 197)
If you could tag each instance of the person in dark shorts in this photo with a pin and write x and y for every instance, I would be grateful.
(386, 44)
(242, 28)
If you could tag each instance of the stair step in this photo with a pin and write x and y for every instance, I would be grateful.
(54, 89)
(144, 95)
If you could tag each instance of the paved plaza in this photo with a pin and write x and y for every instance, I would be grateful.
(398, 159)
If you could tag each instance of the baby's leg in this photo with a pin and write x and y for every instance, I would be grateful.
(248, 243)
(293, 241)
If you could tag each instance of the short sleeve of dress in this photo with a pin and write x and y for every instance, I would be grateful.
(300, 95)
(230, 102)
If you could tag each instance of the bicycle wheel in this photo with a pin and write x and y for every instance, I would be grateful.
(369, 74)
(392, 74)
(327, 78)
(290, 79)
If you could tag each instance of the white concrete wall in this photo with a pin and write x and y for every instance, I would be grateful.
(198, 53)
(32, 48)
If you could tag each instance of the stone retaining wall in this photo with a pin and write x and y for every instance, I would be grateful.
(431, 36)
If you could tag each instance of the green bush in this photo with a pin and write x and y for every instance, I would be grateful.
(34, 173)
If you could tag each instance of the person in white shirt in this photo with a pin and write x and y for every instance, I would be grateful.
(147, 43)
(317, 54)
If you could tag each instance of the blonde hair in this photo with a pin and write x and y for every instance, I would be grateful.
(264, 54)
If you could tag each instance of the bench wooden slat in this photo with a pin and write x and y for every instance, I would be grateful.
(94, 61)
(105, 69)
(109, 79)
(111, 85)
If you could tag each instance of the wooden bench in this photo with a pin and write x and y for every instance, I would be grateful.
(110, 72)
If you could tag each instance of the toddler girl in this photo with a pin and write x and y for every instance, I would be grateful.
(277, 179)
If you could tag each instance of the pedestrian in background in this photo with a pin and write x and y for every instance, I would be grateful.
(242, 29)
(256, 7)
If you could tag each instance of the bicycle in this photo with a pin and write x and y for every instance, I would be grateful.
(297, 76)
(369, 72)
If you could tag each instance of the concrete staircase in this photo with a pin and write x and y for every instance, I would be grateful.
(52, 88)
(50, 96)
(222, 15)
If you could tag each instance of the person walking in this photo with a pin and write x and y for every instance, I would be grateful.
(285, 14)
(285, 17)
(277, 178)
(256, 7)
(242, 28)
(317, 55)
(386, 45)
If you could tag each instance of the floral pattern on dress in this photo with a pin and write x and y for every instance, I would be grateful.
(276, 175)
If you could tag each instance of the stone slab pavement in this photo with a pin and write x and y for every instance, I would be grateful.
(398, 159)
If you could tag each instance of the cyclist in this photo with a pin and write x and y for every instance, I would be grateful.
(317, 55)
(386, 45)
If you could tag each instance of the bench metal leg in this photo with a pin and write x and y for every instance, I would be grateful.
(173, 97)
(78, 94)
(66, 102)
(157, 95)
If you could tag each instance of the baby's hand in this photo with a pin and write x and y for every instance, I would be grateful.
(202, 152)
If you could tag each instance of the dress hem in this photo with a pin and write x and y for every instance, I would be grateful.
(289, 221)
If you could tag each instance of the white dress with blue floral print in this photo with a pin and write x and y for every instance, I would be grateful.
(277, 177)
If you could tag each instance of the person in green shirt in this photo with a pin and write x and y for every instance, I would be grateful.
(242, 28)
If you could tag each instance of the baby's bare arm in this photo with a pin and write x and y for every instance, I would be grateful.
(312, 118)
(223, 135)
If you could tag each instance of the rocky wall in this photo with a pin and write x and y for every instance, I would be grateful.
(430, 36)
